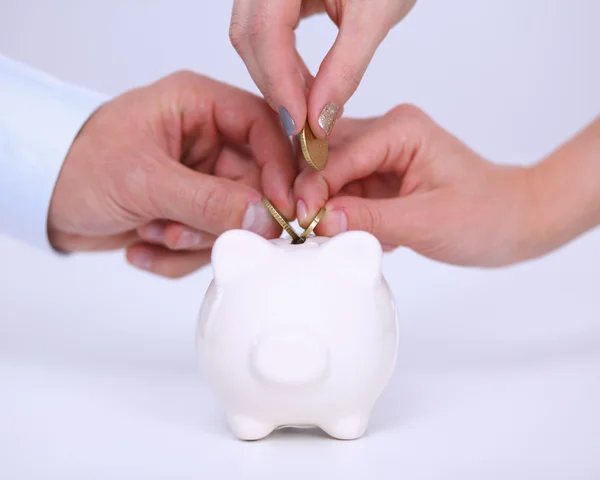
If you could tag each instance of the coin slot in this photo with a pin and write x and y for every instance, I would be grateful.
(295, 238)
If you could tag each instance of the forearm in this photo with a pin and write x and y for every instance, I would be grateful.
(39, 118)
(566, 191)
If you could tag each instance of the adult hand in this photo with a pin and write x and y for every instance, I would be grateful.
(409, 182)
(262, 32)
(163, 169)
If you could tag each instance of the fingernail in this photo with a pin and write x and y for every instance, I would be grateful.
(328, 116)
(154, 232)
(337, 221)
(301, 212)
(287, 121)
(142, 260)
(257, 219)
(188, 239)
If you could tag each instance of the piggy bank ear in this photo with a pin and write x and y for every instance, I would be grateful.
(353, 254)
(236, 252)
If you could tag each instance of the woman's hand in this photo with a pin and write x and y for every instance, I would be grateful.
(262, 32)
(409, 182)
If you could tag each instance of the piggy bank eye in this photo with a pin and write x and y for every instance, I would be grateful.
(237, 252)
(353, 254)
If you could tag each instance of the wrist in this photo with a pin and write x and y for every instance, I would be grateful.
(565, 193)
(64, 211)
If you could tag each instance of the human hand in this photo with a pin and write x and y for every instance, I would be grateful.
(163, 169)
(409, 182)
(262, 33)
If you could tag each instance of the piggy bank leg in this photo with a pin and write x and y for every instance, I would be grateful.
(349, 427)
(248, 428)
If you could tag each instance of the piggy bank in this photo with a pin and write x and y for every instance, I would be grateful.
(297, 335)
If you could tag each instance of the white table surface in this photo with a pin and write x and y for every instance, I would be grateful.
(498, 377)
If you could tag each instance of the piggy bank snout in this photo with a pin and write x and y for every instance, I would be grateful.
(289, 358)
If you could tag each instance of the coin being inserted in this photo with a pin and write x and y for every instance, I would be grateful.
(315, 150)
(313, 225)
(280, 220)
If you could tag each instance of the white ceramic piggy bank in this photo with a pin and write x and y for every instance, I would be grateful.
(297, 335)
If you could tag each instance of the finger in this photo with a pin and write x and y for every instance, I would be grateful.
(207, 203)
(175, 236)
(237, 166)
(310, 184)
(386, 145)
(234, 164)
(386, 247)
(395, 221)
(89, 243)
(239, 36)
(352, 189)
(348, 129)
(244, 119)
(153, 232)
(181, 237)
(273, 43)
(311, 191)
(311, 7)
(379, 185)
(361, 32)
(163, 262)
(307, 77)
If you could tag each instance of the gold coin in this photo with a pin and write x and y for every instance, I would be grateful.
(314, 149)
(313, 224)
(280, 220)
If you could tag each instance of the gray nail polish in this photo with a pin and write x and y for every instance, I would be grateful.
(287, 120)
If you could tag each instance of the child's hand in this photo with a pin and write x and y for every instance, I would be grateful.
(409, 182)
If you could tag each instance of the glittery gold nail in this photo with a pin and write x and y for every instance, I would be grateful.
(328, 117)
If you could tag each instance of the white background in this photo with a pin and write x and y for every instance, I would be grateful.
(499, 371)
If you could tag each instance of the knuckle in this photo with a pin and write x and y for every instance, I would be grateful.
(211, 203)
(407, 111)
(412, 121)
(182, 77)
(238, 33)
(218, 207)
(370, 219)
(408, 114)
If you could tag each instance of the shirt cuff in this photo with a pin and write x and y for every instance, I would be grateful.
(40, 116)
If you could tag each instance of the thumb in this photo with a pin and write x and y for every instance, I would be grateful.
(394, 221)
(208, 203)
(343, 68)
